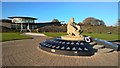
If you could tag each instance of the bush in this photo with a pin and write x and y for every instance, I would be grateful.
(5, 29)
(53, 29)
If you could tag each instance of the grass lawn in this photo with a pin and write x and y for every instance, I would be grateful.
(95, 35)
(13, 36)
(54, 34)
(17, 36)
(108, 37)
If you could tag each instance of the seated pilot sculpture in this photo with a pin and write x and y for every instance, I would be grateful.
(73, 29)
(74, 32)
(72, 44)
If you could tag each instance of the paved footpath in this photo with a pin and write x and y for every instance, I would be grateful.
(26, 53)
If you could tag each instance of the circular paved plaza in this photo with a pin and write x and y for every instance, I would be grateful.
(27, 53)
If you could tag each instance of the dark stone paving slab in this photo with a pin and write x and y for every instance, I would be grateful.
(27, 53)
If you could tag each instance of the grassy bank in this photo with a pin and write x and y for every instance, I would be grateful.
(103, 36)
(13, 36)
(54, 34)
(95, 35)
(17, 36)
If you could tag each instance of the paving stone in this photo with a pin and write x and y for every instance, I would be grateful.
(93, 43)
(25, 53)
(98, 46)
(105, 50)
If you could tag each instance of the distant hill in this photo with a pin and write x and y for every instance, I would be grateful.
(93, 21)
(100, 29)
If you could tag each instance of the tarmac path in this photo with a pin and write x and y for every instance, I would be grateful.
(27, 53)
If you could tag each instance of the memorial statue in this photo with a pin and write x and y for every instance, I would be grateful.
(74, 31)
(72, 44)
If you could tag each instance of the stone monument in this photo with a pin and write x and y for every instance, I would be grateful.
(74, 31)
(72, 44)
(75, 44)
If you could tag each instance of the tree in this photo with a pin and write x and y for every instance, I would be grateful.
(93, 21)
(118, 23)
(81, 24)
(88, 21)
(102, 22)
(55, 20)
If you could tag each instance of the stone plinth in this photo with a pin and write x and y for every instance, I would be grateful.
(72, 38)
(67, 47)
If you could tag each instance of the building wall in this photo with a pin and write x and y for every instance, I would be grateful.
(12, 25)
(22, 20)
(47, 24)
(18, 26)
(5, 24)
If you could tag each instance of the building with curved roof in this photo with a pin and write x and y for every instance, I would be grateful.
(24, 22)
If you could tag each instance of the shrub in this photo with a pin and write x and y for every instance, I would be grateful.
(53, 29)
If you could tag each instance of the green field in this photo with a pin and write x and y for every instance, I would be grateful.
(17, 36)
(54, 34)
(13, 36)
(103, 36)
(95, 35)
